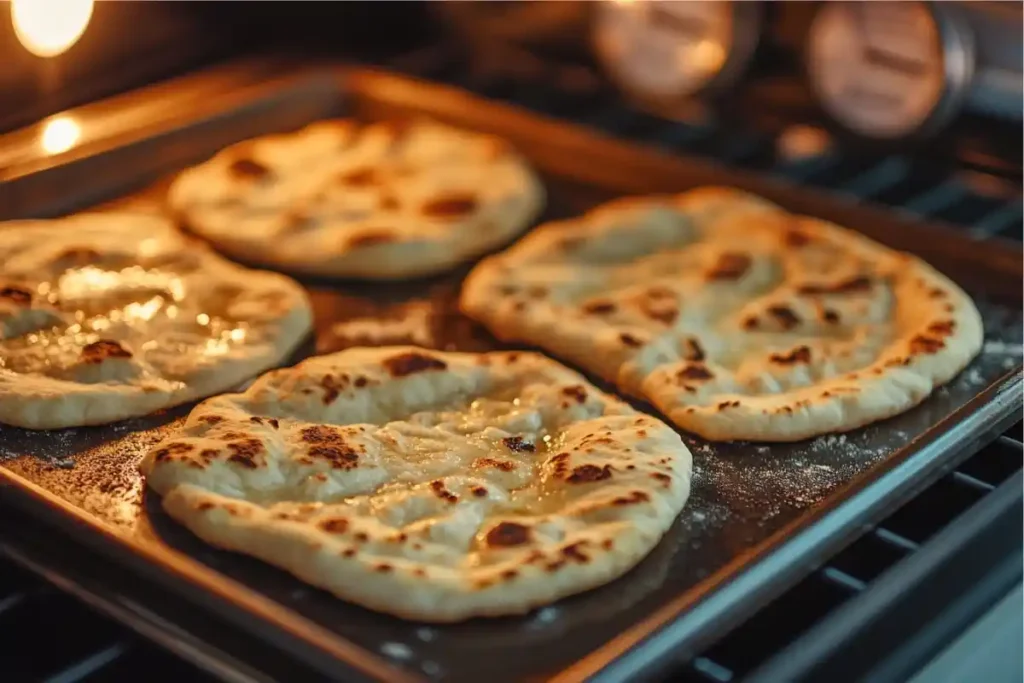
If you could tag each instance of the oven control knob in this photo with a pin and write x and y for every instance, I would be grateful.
(662, 53)
(889, 70)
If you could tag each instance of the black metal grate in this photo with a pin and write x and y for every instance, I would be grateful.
(49, 636)
(852, 570)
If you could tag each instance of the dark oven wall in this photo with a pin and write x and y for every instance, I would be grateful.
(129, 44)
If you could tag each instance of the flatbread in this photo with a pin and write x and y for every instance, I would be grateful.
(735, 319)
(381, 201)
(106, 316)
(430, 485)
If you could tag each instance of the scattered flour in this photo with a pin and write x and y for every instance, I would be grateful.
(396, 651)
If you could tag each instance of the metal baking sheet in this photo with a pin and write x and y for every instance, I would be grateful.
(760, 516)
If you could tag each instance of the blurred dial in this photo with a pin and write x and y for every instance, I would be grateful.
(667, 50)
(882, 69)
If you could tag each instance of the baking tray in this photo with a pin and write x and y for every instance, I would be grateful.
(760, 516)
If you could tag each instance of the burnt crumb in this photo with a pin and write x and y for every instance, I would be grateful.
(517, 444)
(389, 202)
(361, 177)
(170, 450)
(937, 293)
(589, 473)
(361, 537)
(334, 526)
(18, 295)
(360, 382)
(571, 243)
(348, 552)
(321, 434)
(632, 499)
(577, 392)
(370, 238)
(574, 552)
(695, 371)
(78, 256)
(561, 464)
(728, 404)
(607, 544)
(340, 456)
(205, 506)
(861, 283)
(509, 574)
(419, 571)
(409, 363)
(796, 238)
(897, 362)
(630, 340)
(438, 487)
(662, 309)
(785, 316)
(599, 307)
(555, 566)
(248, 168)
(751, 323)
(208, 454)
(256, 420)
(801, 354)
(662, 477)
(451, 206)
(943, 327)
(923, 344)
(332, 387)
(694, 351)
(479, 491)
(246, 453)
(730, 266)
(830, 316)
(383, 568)
(272, 421)
(519, 306)
(100, 350)
(503, 465)
(507, 534)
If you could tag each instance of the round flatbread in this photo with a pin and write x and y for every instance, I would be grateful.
(380, 201)
(106, 316)
(737, 320)
(430, 485)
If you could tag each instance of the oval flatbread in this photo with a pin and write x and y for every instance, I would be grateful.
(737, 320)
(429, 485)
(381, 201)
(106, 316)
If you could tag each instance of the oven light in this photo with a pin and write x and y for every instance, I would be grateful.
(46, 28)
(59, 134)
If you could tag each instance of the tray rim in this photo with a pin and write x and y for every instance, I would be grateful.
(1002, 396)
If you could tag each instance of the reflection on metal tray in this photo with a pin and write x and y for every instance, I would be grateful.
(759, 516)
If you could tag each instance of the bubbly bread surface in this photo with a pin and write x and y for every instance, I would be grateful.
(430, 485)
(378, 201)
(736, 319)
(105, 316)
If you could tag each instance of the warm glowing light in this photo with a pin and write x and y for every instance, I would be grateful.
(49, 27)
(59, 134)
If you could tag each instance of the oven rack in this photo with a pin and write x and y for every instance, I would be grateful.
(979, 194)
(970, 516)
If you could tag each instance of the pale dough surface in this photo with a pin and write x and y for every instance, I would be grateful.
(378, 201)
(430, 485)
(736, 319)
(106, 316)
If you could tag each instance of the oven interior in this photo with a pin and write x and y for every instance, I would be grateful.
(968, 177)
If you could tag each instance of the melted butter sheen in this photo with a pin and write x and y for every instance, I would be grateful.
(149, 312)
